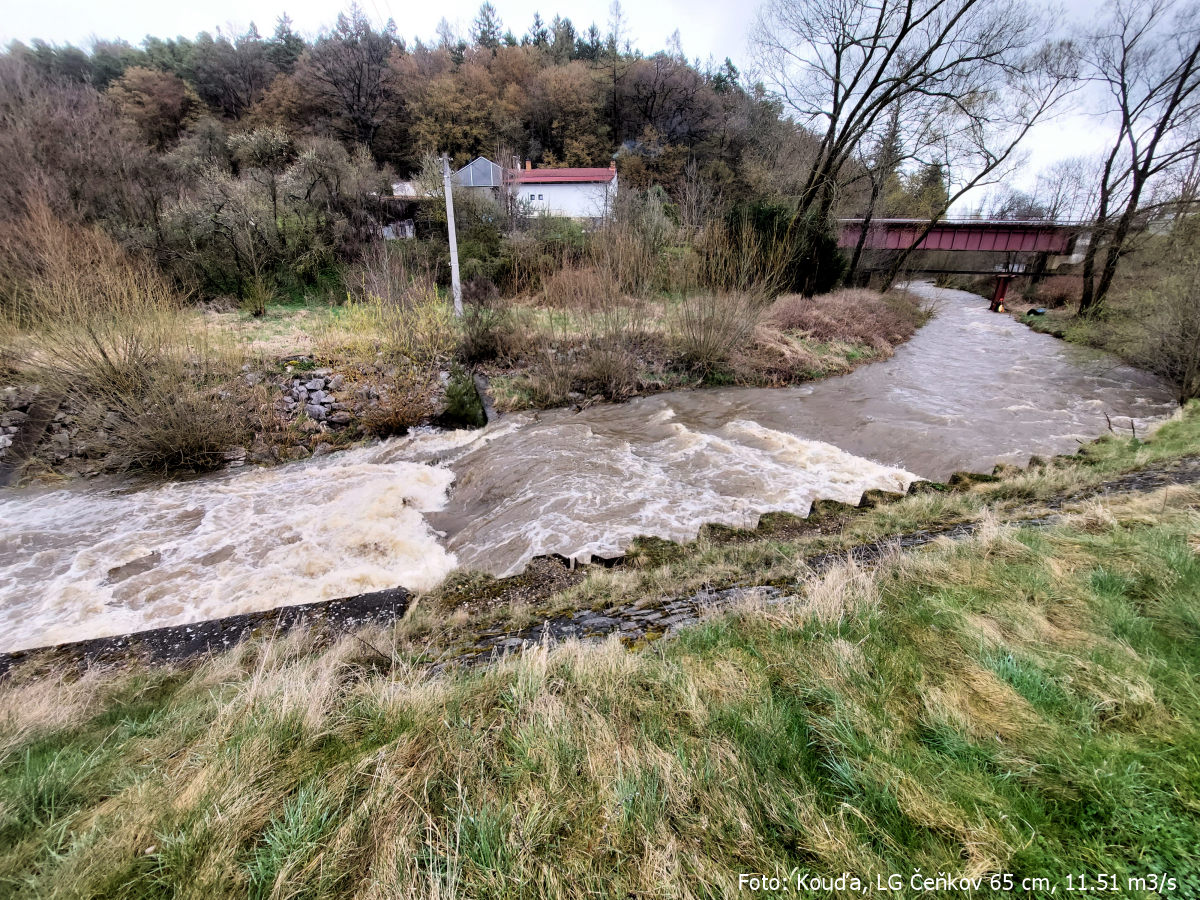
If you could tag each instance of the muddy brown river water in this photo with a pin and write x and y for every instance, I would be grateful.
(970, 390)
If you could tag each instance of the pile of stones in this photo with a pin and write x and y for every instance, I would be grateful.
(319, 394)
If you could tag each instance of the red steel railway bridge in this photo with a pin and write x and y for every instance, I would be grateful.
(1004, 249)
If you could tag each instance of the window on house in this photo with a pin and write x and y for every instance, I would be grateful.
(531, 197)
(540, 197)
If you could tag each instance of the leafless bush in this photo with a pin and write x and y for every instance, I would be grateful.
(186, 413)
(627, 259)
(552, 375)
(629, 247)
(854, 315)
(609, 370)
(706, 330)
(404, 403)
(1058, 290)
(489, 329)
(736, 257)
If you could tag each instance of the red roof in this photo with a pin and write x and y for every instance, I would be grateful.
(559, 176)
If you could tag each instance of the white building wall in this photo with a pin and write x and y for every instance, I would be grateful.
(578, 200)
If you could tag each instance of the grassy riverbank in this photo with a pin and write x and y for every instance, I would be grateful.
(132, 378)
(1021, 701)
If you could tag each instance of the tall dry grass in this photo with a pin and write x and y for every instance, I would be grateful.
(414, 328)
(387, 272)
(108, 334)
(583, 288)
(706, 331)
(851, 315)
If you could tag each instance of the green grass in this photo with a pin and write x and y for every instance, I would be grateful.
(1024, 701)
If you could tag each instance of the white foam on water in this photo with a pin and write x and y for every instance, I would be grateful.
(251, 540)
(666, 487)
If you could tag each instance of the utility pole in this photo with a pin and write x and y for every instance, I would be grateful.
(455, 283)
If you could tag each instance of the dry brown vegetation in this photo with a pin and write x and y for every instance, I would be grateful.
(852, 315)
(108, 335)
(587, 340)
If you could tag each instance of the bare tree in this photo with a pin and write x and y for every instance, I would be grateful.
(348, 71)
(1147, 55)
(879, 160)
(842, 65)
(1067, 189)
(979, 138)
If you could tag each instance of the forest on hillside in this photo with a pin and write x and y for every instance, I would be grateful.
(251, 163)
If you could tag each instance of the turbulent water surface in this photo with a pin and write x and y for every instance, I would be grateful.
(969, 390)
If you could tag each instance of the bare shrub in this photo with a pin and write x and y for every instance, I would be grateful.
(183, 416)
(259, 294)
(385, 272)
(708, 329)
(628, 248)
(608, 364)
(738, 258)
(492, 332)
(609, 370)
(552, 375)
(406, 402)
(489, 328)
(853, 315)
(480, 292)
(627, 258)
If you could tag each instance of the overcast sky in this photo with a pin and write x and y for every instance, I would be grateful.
(707, 28)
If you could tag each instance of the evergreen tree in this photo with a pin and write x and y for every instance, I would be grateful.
(487, 30)
(538, 35)
(562, 40)
(285, 46)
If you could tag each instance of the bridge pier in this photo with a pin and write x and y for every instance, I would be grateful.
(1002, 281)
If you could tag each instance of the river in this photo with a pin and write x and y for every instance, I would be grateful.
(971, 389)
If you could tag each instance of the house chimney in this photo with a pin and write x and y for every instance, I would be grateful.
(528, 165)
(612, 166)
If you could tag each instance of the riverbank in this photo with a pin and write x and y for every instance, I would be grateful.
(1012, 701)
(305, 380)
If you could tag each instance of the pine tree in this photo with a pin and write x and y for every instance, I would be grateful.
(285, 46)
(487, 30)
(538, 35)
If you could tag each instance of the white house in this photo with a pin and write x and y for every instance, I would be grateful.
(575, 193)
